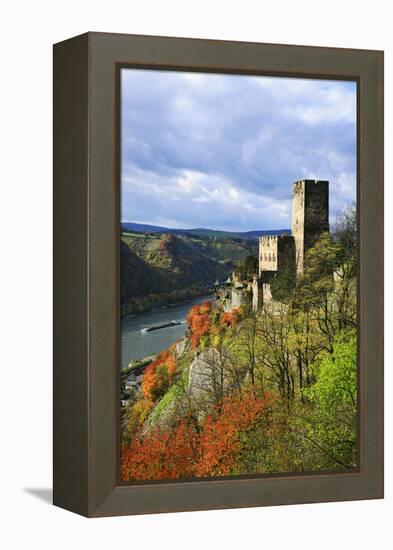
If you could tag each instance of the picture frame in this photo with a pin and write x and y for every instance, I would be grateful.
(87, 263)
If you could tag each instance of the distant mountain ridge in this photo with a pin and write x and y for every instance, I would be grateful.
(203, 232)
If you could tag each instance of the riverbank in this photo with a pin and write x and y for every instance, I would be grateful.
(190, 300)
(156, 302)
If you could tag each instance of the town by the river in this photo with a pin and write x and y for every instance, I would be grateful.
(136, 344)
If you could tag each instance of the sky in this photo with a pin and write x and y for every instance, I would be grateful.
(222, 151)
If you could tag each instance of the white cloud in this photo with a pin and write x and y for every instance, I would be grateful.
(222, 151)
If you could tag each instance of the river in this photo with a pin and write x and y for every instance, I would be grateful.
(136, 344)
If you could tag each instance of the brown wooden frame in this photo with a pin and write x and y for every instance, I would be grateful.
(86, 272)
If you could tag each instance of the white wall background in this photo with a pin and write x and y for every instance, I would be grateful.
(28, 29)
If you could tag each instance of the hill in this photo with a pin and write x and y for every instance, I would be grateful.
(242, 393)
(163, 269)
(203, 232)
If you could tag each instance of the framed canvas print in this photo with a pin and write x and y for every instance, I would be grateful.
(218, 274)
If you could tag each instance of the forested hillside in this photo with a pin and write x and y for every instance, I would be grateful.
(257, 392)
(160, 269)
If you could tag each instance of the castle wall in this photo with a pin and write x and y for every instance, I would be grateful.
(267, 293)
(264, 286)
(257, 294)
(239, 298)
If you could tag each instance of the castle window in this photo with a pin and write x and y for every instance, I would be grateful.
(270, 257)
(274, 257)
(265, 257)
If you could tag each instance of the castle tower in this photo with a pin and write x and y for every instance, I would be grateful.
(310, 215)
(276, 253)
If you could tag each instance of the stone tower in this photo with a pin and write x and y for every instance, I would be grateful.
(310, 215)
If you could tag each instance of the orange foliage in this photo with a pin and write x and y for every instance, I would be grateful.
(183, 452)
(206, 307)
(161, 455)
(200, 327)
(199, 322)
(191, 314)
(220, 444)
(158, 375)
(230, 318)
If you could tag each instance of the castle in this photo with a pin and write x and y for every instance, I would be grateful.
(277, 253)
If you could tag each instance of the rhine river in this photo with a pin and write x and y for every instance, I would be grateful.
(136, 344)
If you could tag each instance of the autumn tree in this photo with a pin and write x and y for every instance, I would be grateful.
(158, 376)
(223, 438)
(161, 454)
(199, 322)
(216, 449)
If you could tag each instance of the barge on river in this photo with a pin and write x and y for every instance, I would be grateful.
(161, 325)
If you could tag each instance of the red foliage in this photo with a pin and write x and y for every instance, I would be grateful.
(183, 452)
(220, 444)
(161, 455)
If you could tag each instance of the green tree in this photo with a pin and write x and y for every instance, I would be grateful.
(283, 285)
(316, 285)
(331, 427)
(345, 237)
